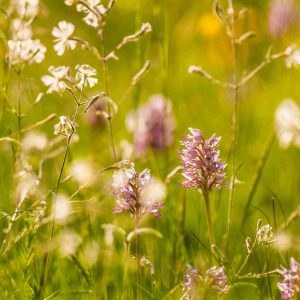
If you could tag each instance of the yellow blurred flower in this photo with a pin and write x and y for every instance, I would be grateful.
(209, 25)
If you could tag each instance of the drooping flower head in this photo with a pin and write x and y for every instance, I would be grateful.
(214, 279)
(290, 285)
(202, 168)
(287, 124)
(152, 124)
(137, 193)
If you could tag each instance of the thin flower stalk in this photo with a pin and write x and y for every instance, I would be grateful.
(47, 256)
(107, 91)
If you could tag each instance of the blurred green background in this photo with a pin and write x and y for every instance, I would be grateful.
(184, 33)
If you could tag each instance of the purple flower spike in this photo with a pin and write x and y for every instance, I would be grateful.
(202, 168)
(290, 285)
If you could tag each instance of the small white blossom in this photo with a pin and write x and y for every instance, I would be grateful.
(34, 140)
(62, 34)
(68, 242)
(287, 124)
(61, 209)
(85, 75)
(64, 126)
(83, 172)
(27, 51)
(56, 82)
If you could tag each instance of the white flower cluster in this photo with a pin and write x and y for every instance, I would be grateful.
(57, 81)
(22, 49)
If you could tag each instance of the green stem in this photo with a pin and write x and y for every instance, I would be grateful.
(107, 91)
(125, 275)
(208, 218)
(234, 122)
(41, 291)
(137, 254)
(259, 170)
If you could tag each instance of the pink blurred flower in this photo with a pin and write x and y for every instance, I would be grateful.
(282, 15)
(153, 125)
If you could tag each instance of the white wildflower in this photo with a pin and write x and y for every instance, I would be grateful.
(27, 51)
(62, 34)
(83, 172)
(85, 75)
(69, 242)
(34, 140)
(61, 209)
(287, 124)
(56, 82)
(91, 253)
(283, 241)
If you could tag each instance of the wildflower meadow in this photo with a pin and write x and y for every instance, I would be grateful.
(149, 149)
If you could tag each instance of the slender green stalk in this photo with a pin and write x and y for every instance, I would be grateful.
(125, 274)
(231, 30)
(208, 218)
(247, 258)
(137, 253)
(259, 170)
(107, 91)
(48, 254)
(19, 106)
(139, 52)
